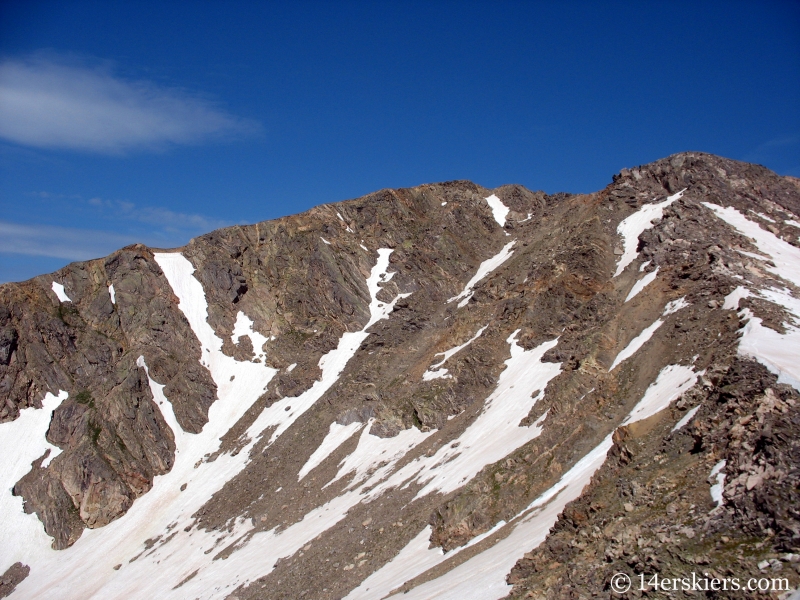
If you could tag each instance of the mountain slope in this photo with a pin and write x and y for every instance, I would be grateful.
(408, 390)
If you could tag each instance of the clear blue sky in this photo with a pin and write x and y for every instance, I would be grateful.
(155, 122)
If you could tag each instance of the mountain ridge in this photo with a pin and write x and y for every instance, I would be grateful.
(281, 296)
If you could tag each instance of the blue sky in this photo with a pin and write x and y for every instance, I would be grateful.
(155, 122)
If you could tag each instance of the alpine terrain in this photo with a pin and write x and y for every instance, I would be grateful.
(438, 392)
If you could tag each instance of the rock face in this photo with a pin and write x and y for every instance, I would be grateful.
(548, 389)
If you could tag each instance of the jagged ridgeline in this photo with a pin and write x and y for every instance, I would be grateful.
(441, 392)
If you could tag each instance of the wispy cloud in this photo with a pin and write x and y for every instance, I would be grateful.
(114, 223)
(48, 102)
(117, 223)
(164, 218)
(60, 242)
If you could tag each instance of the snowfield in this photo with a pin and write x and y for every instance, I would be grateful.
(633, 226)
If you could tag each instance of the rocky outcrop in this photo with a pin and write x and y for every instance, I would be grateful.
(13, 575)
(114, 439)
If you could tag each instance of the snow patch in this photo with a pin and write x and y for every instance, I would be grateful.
(291, 367)
(732, 300)
(785, 257)
(482, 577)
(165, 406)
(337, 435)
(636, 343)
(341, 218)
(495, 433)
(499, 210)
(22, 441)
(332, 363)
(675, 306)
(434, 372)
(112, 294)
(59, 291)
(633, 226)
(671, 383)
(640, 340)
(324, 240)
(719, 486)
(780, 353)
(415, 558)
(686, 418)
(641, 284)
(372, 450)
(244, 326)
(484, 269)
(86, 569)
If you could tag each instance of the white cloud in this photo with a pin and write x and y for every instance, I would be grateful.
(50, 103)
(60, 242)
(117, 223)
(164, 218)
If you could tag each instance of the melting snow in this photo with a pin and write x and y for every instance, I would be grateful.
(499, 210)
(337, 435)
(434, 372)
(59, 290)
(372, 450)
(22, 441)
(792, 222)
(780, 353)
(112, 294)
(640, 340)
(732, 299)
(641, 284)
(412, 560)
(785, 256)
(438, 374)
(86, 569)
(635, 344)
(486, 267)
(719, 486)
(331, 364)
(671, 383)
(633, 226)
(341, 218)
(686, 418)
(324, 240)
(291, 367)
(495, 433)
(675, 306)
(482, 577)
(244, 327)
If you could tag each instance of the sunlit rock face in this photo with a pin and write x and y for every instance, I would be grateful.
(445, 391)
